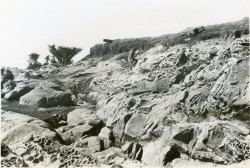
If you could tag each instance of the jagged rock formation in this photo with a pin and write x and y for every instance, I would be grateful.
(186, 99)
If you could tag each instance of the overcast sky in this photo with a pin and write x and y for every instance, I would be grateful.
(28, 26)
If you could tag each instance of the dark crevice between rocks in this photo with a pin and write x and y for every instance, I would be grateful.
(172, 154)
(185, 136)
(126, 119)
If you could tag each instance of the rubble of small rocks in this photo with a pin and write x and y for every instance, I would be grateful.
(186, 100)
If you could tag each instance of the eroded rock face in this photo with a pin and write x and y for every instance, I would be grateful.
(29, 142)
(187, 98)
(35, 150)
(16, 126)
(198, 84)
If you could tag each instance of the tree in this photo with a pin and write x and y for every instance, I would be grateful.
(34, 57)
(33, 64)
(63, 54)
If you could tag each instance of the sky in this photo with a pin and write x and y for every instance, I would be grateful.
(28, 26)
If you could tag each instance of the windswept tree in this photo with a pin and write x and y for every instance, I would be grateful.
(33, 57)
(63, 54)
(33, 63)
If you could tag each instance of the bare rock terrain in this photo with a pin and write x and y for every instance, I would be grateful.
(186, 102)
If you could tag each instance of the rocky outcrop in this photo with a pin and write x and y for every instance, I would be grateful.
(186, 99)
(29, 142)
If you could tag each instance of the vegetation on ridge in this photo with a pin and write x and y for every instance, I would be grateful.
(63, 54)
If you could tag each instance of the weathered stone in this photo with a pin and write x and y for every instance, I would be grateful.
(77, 132)
(49, 97)
(95, 144)
(82, 116)
(18, 91)
(135, 125)
(16, 126)
(106, 133)
(7, 87)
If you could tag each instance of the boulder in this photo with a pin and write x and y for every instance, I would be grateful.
(77, 132)
(15, 126)
(106, 133)
(95, 144)
(41, 97)
(151, 154)
(135, 125)
(18, 91)
(7, 87)
(82, 116)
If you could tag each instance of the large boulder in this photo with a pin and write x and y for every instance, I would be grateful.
(15, 126)
(18, 91)
(46, 97)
